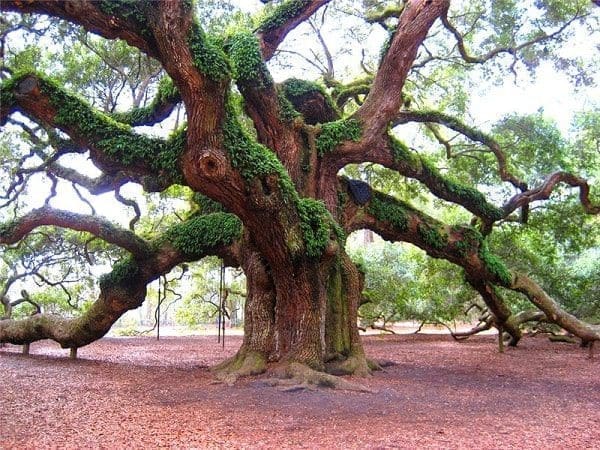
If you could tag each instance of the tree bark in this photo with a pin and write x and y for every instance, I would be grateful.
(306, 314)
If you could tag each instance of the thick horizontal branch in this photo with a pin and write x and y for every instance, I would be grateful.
(397, 156)
(397, 221)
(13, 232)
(284, 18)
(114, 147)
(117, 19)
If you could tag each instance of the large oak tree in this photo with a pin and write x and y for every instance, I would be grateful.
(272, 197)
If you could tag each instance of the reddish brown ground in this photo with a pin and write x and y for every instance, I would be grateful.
(136, 392)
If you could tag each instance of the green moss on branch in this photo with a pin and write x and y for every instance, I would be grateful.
(115, 139)
(418, 167)
(133, 11)
(309, 98)
(199, 235)
(246, 60)
(254, 160)
(281, 14)
(390, 210)
(470, 197)
(317, 225)
(432, 236)
(206, 204)
(287, 112)
(295, 88)
(208, 55)
(494, 265)
(249, 157)
(402, 153)
(7, 96)
(167, 94)
(334, 133)
(124, 273)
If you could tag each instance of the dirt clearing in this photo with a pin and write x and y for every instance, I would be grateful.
(137, 392)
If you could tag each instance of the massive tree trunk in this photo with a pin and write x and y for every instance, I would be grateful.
(303, 314)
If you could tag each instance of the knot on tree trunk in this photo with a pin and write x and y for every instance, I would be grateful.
(212, 166)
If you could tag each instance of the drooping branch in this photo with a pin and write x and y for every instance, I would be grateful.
(124, 288)
(543, 192)
(470, 132)
(13, 232)
(397, 221)
(554, 313)
(397, 156)
(284, 18)
(481, 326)
(512, 50)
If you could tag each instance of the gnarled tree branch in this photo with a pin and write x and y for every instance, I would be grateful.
(113, 147)
(13, 232)
(125, 287)
(123, 20)
(385, 97)
(543, 192)
(464, 53)
(470, 132)
(286, 16)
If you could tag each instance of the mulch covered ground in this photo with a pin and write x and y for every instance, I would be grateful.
(140, 393)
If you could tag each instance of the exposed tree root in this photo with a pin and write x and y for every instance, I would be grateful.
(376, 365)
(244, 363)
(355, 364)
(296, 376)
